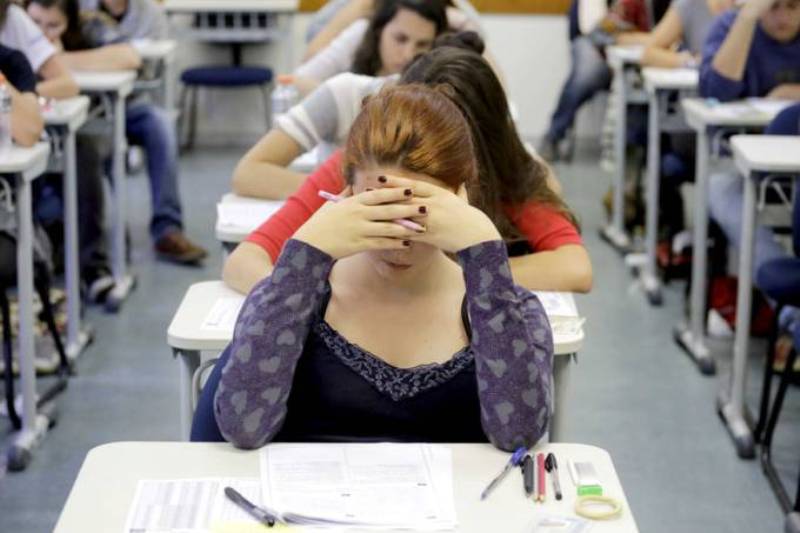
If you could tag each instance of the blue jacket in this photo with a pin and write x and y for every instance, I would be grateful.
(769, 63)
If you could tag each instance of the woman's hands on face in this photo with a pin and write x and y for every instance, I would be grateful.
(452, 224)
(363, 222)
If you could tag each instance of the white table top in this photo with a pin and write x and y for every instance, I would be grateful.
(70, 113)
(120, 82)
(152, 49)
(186, 331)
(676, 79)
(237, 232)
(195, 6)
(766, 153)
(702, 113)
(30, 162)
(622, 55)
(104, 490)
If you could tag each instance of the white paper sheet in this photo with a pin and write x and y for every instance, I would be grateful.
(375, 485)
(222, 316)
(245, 216)
(557, 303)
(769, 106)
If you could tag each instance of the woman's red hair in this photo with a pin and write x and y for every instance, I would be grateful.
(416, 128)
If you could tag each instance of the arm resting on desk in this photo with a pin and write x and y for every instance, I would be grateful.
(109, 57)
(250, 403)
(786, 91)
(568, 268)
(659, 49)
(263, 172)
(513, 347)
(26, 119)
(247, 265)
(56, 82)
(354, 10)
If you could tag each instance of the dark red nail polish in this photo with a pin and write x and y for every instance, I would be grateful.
(382, 179)
(368, 189)
(407, 192)
(423, 209)
(406, 243)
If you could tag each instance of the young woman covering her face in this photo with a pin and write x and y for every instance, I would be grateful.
(398, 32)
(367, 330)
(515, 189)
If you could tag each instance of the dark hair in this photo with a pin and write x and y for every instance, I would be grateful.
(509, 176)
(3, 8)
(73, 38)
(367, 59)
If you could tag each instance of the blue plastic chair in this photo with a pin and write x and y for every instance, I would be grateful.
(204, 424)
(219, 77)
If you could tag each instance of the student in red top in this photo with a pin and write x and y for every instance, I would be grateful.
(514, 189)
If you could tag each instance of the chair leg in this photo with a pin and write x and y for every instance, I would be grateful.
(267, 106)
(182, 117)
(192, 117)
(8, 374)
(766, 459)
(769, 372)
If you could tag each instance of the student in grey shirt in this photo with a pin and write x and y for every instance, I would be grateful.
(685, 25)
(137, 19)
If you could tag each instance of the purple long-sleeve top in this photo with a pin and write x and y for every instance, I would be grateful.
(271, 385)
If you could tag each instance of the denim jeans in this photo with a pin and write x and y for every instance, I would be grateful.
(150, 127)
(588, 75)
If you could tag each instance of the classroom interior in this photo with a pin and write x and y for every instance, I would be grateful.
(632, 390)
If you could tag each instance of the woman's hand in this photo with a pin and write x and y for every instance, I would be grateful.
(364, 222)
(452, 224)
(756, 8)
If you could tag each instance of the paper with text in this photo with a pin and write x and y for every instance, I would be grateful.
(245, 216)
(223, 314)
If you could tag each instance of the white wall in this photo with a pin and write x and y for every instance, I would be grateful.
(532, 51)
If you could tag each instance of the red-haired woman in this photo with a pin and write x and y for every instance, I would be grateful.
(367, 330)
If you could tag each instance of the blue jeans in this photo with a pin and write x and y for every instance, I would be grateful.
(149, 126)
(588, 75)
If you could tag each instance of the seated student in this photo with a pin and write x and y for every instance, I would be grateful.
(337, 15)
(18, 78)
(626, 23)
(87, 48)
(322, 350)
(18, 32)
(515, 189)
(398, 31)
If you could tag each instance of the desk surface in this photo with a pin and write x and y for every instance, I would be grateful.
(103, 492)
(622, 55)
(70, 113)
(670, 78)
(753, 112)
(255, 212)
(186, 331)
(30, 162)
(152, 49)
(196, 6)
(120, 82)
(766, 153)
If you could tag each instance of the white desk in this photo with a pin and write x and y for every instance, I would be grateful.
(187, 337)
(24, 165)
(707, 118)
(755, 156)
(160, 54)
(621, 59)
(660, 84)
(253, 213)
(63, 119)
(111, 472)
(116, 87)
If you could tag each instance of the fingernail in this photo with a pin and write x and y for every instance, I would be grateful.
(406, 243)
(423, 209)
(407, 192)
(382, 179)
(369, 189)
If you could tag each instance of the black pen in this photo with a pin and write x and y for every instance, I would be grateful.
(253, 510)
(527, 474)
(552, 466)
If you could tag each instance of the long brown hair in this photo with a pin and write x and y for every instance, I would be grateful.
(73, 38)
(416, 128)
(508, 176)
(367, 59)
(3, 9)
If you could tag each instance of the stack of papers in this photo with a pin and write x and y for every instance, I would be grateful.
(384, 486)
(222, 315)
(245, 216)
(562, 313)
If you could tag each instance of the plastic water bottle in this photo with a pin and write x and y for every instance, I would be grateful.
(5, 117)
(284, 96)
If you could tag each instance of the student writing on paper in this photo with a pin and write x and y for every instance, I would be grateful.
(514, 188)
(367, 330)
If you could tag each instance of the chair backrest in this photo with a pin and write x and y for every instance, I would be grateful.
(787, 122)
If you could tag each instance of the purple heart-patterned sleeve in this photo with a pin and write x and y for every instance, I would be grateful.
(271, 330)
(513, 347)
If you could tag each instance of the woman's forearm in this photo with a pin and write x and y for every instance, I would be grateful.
(731, 58)
(266, 180)
(26, 119)
(111, 57)
(513, 347)
(250, 403)
(567, 268)
(247, 265)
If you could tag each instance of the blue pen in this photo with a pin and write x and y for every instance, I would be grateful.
(515, 460)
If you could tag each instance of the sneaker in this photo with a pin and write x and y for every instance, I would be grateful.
(783, 346)
(98, 282)
(177, 248)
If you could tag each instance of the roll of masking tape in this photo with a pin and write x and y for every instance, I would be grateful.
(597, 507)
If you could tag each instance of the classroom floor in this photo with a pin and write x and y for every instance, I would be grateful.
(634, 392)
